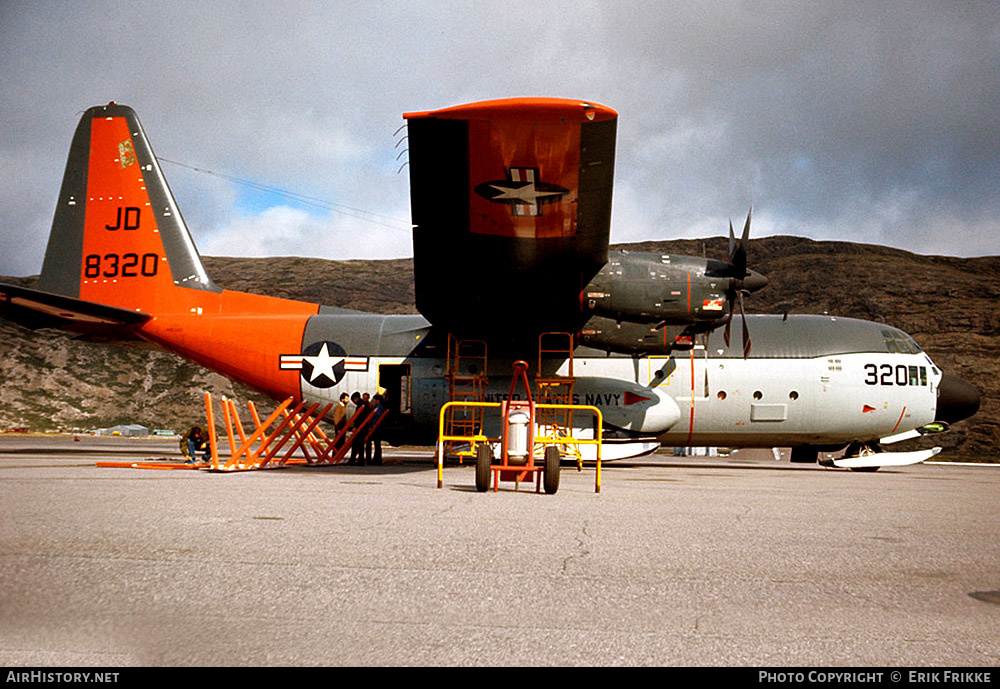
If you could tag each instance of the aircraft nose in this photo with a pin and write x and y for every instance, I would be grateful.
(957, 399)
(754, 281)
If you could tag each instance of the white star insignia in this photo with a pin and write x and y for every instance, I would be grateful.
(322, 364)
(526, 193)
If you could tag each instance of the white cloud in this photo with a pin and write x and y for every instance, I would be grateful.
(284, 231)
(853, 120)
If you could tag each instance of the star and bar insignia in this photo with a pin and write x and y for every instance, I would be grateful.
(522, 191)
(323, 364)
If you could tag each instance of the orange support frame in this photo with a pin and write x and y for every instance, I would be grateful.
(261, 448)
(298, 423)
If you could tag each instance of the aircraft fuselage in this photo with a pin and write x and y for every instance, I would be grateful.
(815, 380)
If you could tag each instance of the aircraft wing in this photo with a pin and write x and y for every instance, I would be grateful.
(36, 309)
(511, 207)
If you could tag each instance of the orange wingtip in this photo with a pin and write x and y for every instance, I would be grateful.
(534, 109)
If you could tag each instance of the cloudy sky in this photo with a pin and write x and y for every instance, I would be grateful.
(876, 122)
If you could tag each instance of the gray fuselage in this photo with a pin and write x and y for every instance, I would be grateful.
(808, 380)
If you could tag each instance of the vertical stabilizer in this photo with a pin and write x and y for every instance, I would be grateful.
(117, 236)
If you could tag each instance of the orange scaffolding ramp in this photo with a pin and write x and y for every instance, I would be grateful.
(262, 448)
(289, 435)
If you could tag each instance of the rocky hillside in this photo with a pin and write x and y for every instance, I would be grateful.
(947, 304)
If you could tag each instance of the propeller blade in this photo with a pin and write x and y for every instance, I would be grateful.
(745, 240)
(746, 330)
(732, 241)
(729, 323)
(738, 249)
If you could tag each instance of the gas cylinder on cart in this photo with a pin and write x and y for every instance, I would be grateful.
(519, 434)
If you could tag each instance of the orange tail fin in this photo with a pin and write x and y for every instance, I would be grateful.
(117, 237)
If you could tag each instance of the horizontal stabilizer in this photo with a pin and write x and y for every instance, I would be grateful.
(886, 459)
(36, 309)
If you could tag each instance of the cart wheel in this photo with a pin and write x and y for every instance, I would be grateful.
(551, 480)
(484, 458)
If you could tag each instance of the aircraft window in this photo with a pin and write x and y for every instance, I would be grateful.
(721, 395)
(898, 342)
(793, 395)
(914, 376)
(890, 342)
(923, 375)
(758, 395)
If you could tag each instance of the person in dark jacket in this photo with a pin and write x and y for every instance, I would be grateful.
(373, 448)
(358, 439)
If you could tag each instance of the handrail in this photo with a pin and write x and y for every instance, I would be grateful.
(537, 440)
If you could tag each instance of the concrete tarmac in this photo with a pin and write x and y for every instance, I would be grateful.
(677, 561)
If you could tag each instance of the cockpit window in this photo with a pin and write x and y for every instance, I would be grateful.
(898, 342)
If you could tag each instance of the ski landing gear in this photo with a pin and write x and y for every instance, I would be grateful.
(869, 456)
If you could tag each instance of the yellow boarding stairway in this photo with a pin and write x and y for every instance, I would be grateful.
(467, 380)
(556, 422)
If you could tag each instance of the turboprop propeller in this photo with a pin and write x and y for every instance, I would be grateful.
(742, 281)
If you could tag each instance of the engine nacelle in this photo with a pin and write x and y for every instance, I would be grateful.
(659, 289)
(628, 337)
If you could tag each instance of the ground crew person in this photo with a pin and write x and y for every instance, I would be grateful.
(340, 417)
(192, 442)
